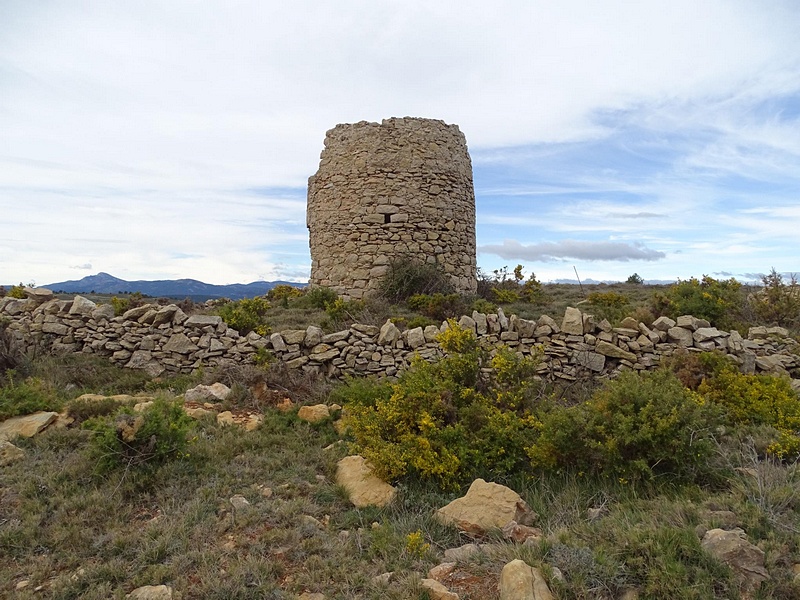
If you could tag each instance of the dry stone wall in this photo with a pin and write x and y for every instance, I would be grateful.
(162, 339)
(399, 188)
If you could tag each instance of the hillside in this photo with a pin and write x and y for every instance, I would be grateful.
(103, 283)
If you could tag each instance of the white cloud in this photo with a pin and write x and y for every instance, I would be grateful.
(132, 131)
(574, 249)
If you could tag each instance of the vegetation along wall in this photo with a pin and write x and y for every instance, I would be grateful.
(401, 188)
(162, 339)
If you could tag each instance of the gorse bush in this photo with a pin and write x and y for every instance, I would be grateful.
(757, 400)
(245, 315)
(139, 440)
(635, 427)
(284, 292)
(442, 421)
(718, 301)
(319, 297)
(437, 306)
(17, 291)
(122, 305)
(609, 305)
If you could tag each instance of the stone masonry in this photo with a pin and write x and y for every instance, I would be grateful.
(401, 188)
(161, 339)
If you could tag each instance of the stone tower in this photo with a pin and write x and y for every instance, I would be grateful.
(401, 188)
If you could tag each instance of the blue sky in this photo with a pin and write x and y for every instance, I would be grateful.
(161, 140)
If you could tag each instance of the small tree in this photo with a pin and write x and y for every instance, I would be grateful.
(635, 279)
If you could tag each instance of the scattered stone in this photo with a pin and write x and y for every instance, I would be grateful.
(519, 581)
(732, 548)
(246, 420)
(383, 578)
(151, 592)
(311, 596)
(521, 533)
(462, 553)
(239, 502)
(217, 392)
(362, 486)
(573, 323)
(486, 506)
(314, 413)
(27, 425)
(437, 591)
(21, 585)
(442, 570)
(9, 453)
(594, 513)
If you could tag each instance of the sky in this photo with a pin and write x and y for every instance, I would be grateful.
(173, 139)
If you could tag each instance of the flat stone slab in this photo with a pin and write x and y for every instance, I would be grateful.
(486, 506)
(354, 474)
(27, 425)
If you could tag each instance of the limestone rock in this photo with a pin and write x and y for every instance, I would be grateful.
(247, 421)
(216, 392)
(82, 306)
(27, 425)
(313, 336)
(415, 338)
(389, 334)
(732, 548)
(573, 322)
(463, 553)
(180, 343)
(441, 570)
(314, 413)
(362, 486)
(663, 324)
(239, 502)
(614, 351)
(151, 592)
(486, 506)
(311, 596)
(682, 337)
(519, 581)
(436, 591)
(521, 533)
(9, 453)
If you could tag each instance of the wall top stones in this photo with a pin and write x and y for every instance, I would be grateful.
(163, 338)
(401, 188)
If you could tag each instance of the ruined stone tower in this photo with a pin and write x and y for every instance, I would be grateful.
(401, 188)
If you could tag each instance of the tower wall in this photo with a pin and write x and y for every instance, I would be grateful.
(401, 188)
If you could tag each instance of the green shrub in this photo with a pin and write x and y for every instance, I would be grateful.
(505, 295)
(507, 288)
(609, 305)
(284, 292)
(319, 297)
(407, 277)
(139, 440)
(122, 305)
(758, 400)
(245, 315)
(635, 427)
(718, 301)
(341, 310)
(482, 305)
(778, 302)
(442, 421)
(25, 397)
(635, 279)
(17, 291)
(437, 306)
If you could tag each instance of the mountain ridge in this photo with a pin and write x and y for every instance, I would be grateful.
(104, 283)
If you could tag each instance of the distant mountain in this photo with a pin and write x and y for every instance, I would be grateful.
(103, 283)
